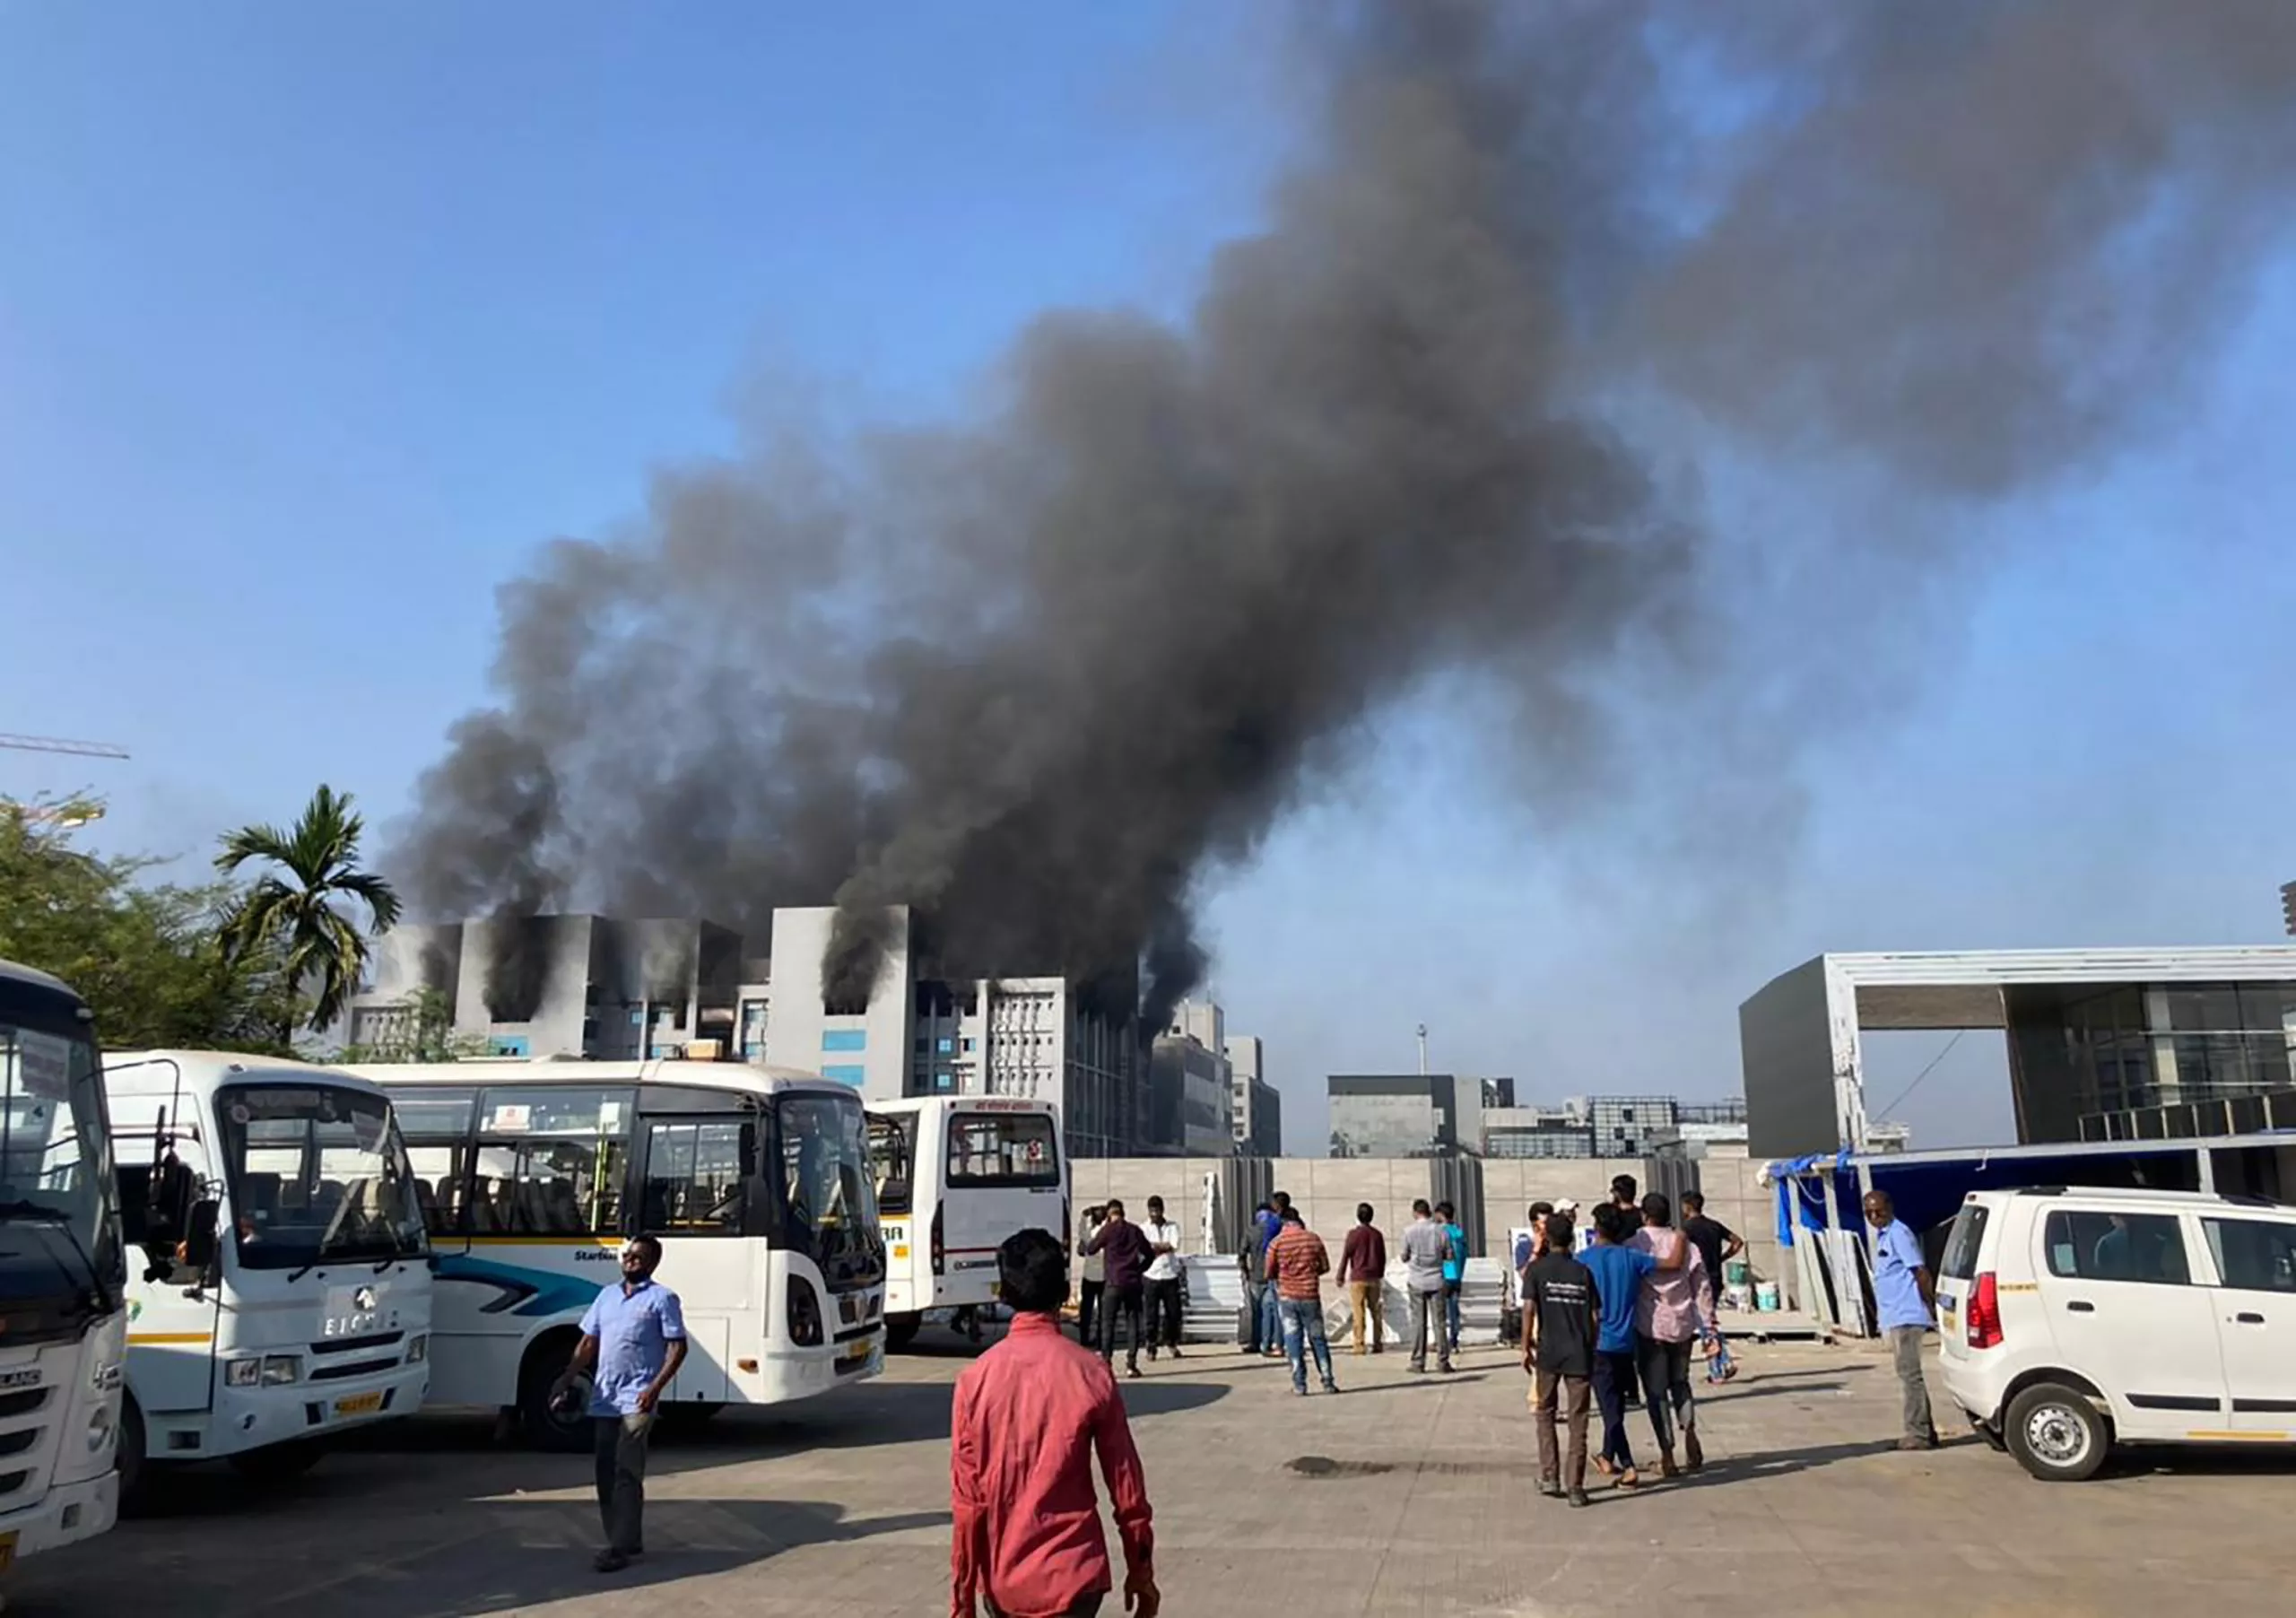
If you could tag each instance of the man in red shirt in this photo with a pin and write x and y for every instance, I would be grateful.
(1363, 1272)
(1029, 1414)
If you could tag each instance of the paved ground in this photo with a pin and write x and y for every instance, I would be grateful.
(1404, 1496)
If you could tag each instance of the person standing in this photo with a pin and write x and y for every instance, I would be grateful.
(1124, 1248)
(1166, 1280)
(1905, 1302)
(1625, 1196)
(1363, 1272)
(1271, 1226)
(1455, 1269)
(1252, 1257)
(1092, 1282)
(1561, 1321)
(1296, 1264)
(633, 1341)
(1717, 1244)
(1619, 1272)
(1669, 1318)
(1425, 1247)
(1027, 1419)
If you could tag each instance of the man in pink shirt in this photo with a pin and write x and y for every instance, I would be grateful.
(1669, 1318)
(1029, 1416)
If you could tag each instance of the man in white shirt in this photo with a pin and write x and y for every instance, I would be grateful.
(1167, 1285)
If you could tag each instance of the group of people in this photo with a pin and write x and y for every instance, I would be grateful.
(1622, 1313)
(1132, 1280)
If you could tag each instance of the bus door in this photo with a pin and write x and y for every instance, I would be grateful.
(1001, 1170)
(170, 1218)
(696, 1158)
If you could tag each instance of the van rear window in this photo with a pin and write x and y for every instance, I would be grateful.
(1968, 1235)
(989, 1148)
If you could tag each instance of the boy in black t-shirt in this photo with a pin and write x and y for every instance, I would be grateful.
(1560, 1309)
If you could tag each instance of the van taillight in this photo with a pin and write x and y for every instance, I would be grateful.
(1985, 1313)
(939, 1254)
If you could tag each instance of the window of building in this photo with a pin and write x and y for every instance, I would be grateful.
(694, 1175)
(2117, 1247)
(2253, 1254)
(845, 1039)
(507, 1045)
(847, 1073)
(944, 1046)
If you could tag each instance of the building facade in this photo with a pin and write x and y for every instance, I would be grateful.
(2102, 1045)
(1255, 1109)
(1405, 1115)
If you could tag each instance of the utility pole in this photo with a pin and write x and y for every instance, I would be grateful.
(1423, 1050)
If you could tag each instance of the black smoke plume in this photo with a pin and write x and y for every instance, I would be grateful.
(1036, 672)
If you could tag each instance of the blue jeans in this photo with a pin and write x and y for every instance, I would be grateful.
(1303, 1327)
(1451, 1290)
(1271, 1319)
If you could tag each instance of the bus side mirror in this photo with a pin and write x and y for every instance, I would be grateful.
(197, 1254)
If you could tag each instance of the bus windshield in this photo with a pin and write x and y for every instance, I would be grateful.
(318, 1175)
(55, 1165)
(828, 1193)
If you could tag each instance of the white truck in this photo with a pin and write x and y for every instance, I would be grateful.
(283, 1290)
(61, 1318)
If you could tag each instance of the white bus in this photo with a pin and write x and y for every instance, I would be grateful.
(955, 1176)
(61, 1318)
(755, 1179)
(281, 1292)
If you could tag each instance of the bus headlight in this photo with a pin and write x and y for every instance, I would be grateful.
(279, 1370)
(804, 1313)
(242, 1373)
(418, 1351)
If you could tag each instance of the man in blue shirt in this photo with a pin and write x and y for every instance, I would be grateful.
(633, 1341)
(1619, 1272)
(1904, 1302)
(1455, 1269)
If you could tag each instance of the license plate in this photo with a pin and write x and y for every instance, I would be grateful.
(858, 1350)
(364, 1403)
(7, 1551)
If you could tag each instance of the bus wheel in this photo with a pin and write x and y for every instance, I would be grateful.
(277, 1463)
(134, 1477)
(900, 1330)
(547, 1429)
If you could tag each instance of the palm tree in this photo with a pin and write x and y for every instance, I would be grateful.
(298, 907)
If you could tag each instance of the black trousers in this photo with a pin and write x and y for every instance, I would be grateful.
(1164, 1299)
(620, 1454)
(1121, 1306)
(1088, 1312)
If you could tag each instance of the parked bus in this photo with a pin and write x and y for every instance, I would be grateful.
(755, 1179)
(955, 1176)
(283, 1291)
(62, 1320)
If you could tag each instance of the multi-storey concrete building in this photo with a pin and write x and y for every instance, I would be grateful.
(1254, 1107)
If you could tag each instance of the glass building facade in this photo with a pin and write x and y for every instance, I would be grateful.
(2150, 1061)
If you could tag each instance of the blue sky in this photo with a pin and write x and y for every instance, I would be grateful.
(315, 321)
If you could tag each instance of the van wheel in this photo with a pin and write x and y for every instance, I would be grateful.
(277, 1463)
(2056, 1434)
(127, 1459)
(900, 1331)
(547, 1429)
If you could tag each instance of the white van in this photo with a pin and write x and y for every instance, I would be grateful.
(2075, 1319)
(956, 1175)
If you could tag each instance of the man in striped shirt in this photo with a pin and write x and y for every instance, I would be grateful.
(1297, 1265)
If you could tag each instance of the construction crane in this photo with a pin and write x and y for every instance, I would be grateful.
(86, 750)
(69, 815)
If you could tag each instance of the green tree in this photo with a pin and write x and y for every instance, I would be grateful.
(304, 907)
(148, 959)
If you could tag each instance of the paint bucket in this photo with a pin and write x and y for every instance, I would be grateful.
(1766, 1296)
(1735, 1274)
